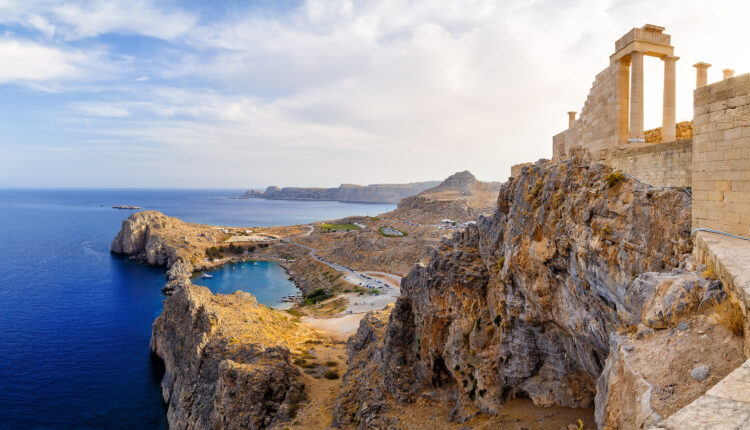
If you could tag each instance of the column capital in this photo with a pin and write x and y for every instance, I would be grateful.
(669, 58)
(728, 73)
(701, 65)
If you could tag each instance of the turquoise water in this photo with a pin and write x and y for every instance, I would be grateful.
(267, 281)
(75, 321)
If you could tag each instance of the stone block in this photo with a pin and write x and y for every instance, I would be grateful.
(709, 412)
(722, 186)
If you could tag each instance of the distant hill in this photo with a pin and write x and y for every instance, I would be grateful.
(376, 193)
(460, 197)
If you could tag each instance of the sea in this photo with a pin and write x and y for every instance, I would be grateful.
(75, 321)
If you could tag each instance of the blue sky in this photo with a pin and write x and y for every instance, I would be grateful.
(252, 93)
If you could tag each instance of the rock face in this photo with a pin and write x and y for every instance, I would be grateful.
(219, 375)
(157, 239)
(377, 193)
(523, 303)
(227, 358)
(364, 349)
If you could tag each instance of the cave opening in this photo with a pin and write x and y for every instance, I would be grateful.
(441, 377)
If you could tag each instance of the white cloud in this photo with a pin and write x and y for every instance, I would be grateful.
(409, 90)
(84, 19)
(25, 61)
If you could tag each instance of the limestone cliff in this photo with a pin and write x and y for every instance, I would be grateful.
(227, 361)
(376, 193)
(161, 240)
(227, 358)
(523, 303)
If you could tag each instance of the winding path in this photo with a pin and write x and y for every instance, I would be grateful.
(388, 283)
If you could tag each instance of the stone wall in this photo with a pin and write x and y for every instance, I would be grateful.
(594, 133)
(661, 164)
(683, 131)
(721, 156)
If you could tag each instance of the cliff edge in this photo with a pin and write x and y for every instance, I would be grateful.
(525, 303)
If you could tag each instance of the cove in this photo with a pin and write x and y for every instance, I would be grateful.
(266, 280)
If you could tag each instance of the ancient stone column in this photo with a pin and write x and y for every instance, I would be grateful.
(623, 100)
(668, 127)
(728, 73)
(636, 97)
(571, 119)
(701, 74)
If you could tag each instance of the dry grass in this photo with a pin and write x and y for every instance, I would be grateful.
(627, 329)
(709, 274)
(729, 314)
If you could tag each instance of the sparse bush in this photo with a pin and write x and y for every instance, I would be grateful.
(498, 319)
(614, 178)
(500, 263)
(331, 374)
(728, 314)
(709, 274)
(331, 363)
(607, 230)
(317, 296)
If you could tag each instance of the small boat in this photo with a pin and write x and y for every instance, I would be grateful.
(255, 263)
(206, 276)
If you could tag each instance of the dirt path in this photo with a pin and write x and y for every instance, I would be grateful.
(339, 327)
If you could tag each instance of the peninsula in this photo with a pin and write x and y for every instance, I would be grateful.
(375, 193)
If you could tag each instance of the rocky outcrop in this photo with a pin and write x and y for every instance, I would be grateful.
(376, 193)
(360, 402)
(157, 239)
(227, 361)
(524, 303)
(460, 197)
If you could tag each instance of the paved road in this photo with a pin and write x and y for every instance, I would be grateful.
(388, 287)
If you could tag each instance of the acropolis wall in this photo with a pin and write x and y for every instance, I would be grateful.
(721, 156)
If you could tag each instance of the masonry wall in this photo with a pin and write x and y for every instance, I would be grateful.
(660, 164)
(594, 133)
(721, 156)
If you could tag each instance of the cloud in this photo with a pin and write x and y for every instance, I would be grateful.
(26, 61)
(334, 91)
(87, 19)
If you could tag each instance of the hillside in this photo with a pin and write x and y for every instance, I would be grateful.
(461, 197)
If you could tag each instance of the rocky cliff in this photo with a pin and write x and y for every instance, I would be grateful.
(157, 239)
(525, 302)
(376, 193)
(227, 360)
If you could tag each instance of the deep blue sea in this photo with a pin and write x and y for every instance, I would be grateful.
(75, 321)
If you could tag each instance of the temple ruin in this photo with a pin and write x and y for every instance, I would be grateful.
(610, 128)
(710, 154)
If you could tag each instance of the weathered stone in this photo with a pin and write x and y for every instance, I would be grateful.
(525, 301)
(699, 373)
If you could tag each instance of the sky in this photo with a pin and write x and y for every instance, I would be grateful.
(196, 94)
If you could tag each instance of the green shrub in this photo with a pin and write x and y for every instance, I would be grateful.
(614, 178)
(317, 296)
